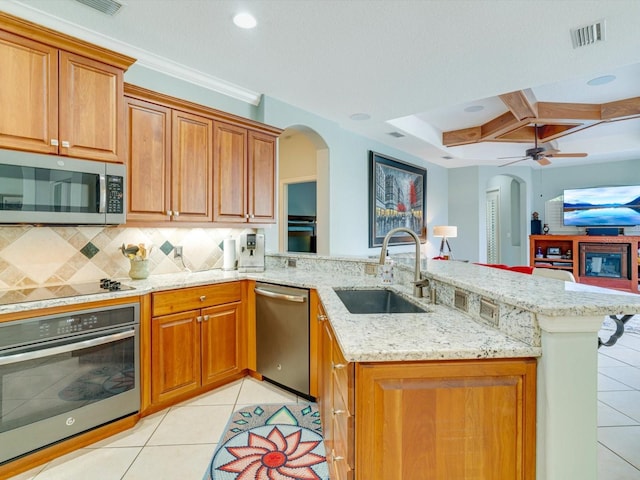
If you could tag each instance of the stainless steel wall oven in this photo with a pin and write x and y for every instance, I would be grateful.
(64, 374)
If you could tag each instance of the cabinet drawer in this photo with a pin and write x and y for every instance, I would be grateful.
(193, 298)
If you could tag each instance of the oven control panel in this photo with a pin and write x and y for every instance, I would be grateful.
(22, 333)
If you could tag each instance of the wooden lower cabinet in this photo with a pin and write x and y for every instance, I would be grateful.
(199, 347)
(466, 419)
(444, 420)
(336, 402)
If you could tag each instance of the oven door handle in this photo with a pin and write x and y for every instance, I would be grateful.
(68, 347)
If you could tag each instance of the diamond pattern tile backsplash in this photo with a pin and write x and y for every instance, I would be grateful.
(31, 256)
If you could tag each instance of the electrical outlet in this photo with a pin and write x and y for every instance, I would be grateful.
(177, 251)
(371, 269)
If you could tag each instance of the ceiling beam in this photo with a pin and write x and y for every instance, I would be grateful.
(464, 136)
(554, 120)
(621, 108)
(556, 111)
(518, 104)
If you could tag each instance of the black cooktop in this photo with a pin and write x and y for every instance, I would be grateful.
(33, 294)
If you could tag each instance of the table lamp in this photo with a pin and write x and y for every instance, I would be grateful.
(446, 232)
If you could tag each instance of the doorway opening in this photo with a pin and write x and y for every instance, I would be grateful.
(303, 171)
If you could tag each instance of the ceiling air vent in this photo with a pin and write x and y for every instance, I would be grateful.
(396, 134)
(588, 34)
(110, 7)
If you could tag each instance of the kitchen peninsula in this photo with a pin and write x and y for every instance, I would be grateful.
(480, 314)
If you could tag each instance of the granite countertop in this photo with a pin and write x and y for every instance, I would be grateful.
(542, 296)
(442, 333)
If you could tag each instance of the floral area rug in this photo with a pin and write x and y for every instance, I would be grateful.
(271, 442)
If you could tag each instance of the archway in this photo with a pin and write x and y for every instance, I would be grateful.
(506, 225)
(304, 158)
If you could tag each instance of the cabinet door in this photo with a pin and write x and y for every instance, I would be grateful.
(261, 168)
(28, 94)
(446, 420)
(191, 167)
(175, 355)
(148, 161)
(325, 399)
(230, 174)
(220, 342)
(91, 102)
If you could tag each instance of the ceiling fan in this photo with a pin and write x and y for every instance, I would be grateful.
(540, 154)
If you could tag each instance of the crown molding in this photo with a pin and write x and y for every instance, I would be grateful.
(144, 58)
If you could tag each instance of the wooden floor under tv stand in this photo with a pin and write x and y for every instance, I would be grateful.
(572, 242)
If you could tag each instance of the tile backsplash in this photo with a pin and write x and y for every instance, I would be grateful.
(51, 255)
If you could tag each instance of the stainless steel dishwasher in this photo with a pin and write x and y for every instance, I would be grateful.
(282, 331)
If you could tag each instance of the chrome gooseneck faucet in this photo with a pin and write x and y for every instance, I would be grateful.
(418, 282)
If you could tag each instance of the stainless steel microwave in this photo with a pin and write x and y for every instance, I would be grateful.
(47, 189)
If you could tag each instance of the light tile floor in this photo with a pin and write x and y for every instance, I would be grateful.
(619, 406)
(178, 443)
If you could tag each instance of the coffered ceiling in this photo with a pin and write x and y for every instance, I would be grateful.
(455, 82)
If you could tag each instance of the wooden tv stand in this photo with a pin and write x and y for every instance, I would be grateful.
(577, 262)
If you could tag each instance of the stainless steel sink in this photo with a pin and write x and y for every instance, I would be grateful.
(377, 300)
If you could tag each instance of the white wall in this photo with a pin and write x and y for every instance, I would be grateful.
(349, 178)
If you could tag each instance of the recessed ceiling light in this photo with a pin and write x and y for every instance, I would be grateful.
(360, 116)
(245, 20)
(474, 108)
(601, 80)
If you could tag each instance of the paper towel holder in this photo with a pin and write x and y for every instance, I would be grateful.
(229, 254)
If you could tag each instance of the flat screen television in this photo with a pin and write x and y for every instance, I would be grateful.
(602, 206)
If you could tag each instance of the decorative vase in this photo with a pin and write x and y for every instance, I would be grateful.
(139, 269)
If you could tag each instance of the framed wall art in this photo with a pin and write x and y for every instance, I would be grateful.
(397, 198)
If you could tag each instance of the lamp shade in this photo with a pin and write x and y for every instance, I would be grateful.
(445, 231)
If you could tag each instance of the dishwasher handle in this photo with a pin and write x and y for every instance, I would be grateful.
(280, 296)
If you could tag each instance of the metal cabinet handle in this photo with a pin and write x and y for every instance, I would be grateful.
(337, 458)
(199, 319)
(339, 366)
(322, 318)
(206, 318)
(338, 412)
(65, 144)
(169, 213)
(54, 142)
(176, 214)
(203, 298)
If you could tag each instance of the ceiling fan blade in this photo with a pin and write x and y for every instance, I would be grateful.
(551, 151)
(543, 161)
(515, 161)
(568, 155)
(507, 158)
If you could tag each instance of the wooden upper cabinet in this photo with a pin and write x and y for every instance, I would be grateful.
(230, 173)
(148, 161)
(261, 178)
(221, 167)
(29, 94)
(91, 109)
(191, 167)
(244, 174)
(58, 96)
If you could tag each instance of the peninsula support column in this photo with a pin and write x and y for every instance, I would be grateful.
(567, 403)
